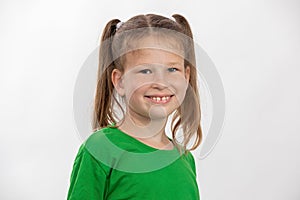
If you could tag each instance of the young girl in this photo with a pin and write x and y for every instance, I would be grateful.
(146, 70)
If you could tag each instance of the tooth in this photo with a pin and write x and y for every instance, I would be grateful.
(157, 99)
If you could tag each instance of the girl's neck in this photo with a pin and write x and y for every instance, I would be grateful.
(150, 131)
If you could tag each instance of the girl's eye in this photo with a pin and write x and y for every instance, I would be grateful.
(145, 71)
(172, 69)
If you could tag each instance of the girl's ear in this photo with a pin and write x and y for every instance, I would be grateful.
(117, 80)
(187, 73)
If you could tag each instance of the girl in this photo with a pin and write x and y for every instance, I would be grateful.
(146, 70)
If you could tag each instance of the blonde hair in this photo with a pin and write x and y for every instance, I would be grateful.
(188, 115)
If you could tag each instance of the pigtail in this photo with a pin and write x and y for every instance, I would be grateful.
(190, 50)
(184, 24)
(103, 114)
(189, 112)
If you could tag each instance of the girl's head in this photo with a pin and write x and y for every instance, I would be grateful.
(149, 62)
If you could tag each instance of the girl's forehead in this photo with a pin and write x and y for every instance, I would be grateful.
(160, 43)
(152, 55)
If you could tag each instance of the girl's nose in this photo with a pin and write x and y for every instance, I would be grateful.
(160, 80)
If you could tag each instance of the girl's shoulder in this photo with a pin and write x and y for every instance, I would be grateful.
(108, 145)
(97, 136)
(106, 138)
(101, 138)
(99, 148)
(191, 160)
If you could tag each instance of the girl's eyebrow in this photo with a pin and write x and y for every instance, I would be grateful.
(175, 63)
(150, 64)
(169, 63)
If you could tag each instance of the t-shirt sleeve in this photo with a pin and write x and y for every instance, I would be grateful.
(88, 178)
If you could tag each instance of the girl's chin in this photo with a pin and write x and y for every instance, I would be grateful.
(158, 112)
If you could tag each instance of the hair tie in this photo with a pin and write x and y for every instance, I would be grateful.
(119, 24)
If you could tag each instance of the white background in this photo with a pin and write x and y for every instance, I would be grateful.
(254, 44)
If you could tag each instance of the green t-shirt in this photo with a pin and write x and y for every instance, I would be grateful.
(112, 165)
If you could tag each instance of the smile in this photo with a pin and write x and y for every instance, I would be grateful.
(159, 99)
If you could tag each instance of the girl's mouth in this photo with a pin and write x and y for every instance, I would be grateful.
(160, 99)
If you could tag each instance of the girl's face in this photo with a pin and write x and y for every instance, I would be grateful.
(154, 83)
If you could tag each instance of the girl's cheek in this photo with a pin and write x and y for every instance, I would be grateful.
(178, 80)
(180, 84)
